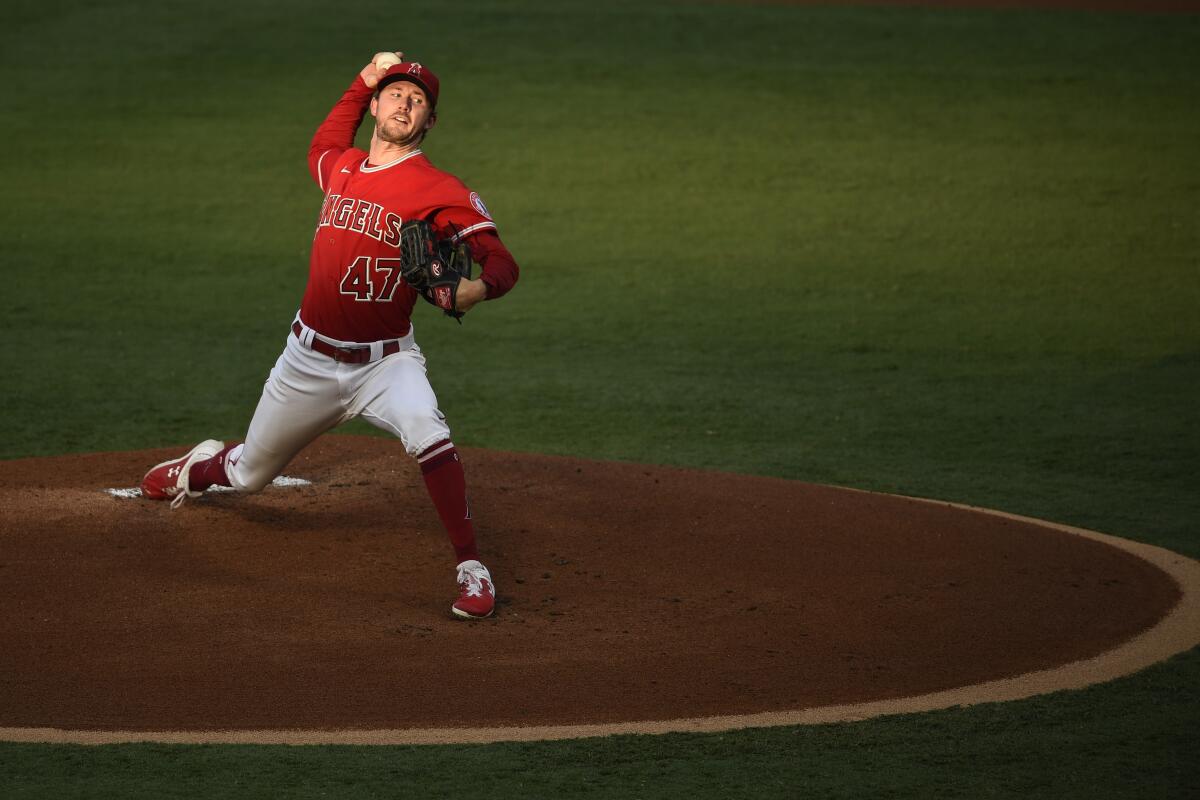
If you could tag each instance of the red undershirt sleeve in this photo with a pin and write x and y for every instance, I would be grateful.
(500, 270)
(336, 134)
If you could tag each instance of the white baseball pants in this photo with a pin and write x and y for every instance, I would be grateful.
(308, 393)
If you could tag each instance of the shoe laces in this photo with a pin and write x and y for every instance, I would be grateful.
(471, 578)
(185, 491)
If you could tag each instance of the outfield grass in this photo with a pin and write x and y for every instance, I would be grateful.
(943, 253)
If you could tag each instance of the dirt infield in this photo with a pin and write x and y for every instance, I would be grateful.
(628, 594)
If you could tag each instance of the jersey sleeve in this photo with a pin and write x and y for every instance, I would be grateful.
(464, 217)
(500, 271)
(336, 134)
(460, 212)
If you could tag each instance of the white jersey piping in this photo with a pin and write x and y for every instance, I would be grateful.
(465, 232)
(391, 163)
(320, 161)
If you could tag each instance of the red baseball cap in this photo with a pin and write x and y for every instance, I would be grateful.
(414, 72)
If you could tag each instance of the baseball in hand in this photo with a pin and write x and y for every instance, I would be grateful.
(385, 61)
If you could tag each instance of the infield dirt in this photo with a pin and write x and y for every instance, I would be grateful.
(627, 592)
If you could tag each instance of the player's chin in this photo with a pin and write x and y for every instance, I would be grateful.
(394, 134)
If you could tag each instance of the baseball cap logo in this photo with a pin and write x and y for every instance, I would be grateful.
(416, 72)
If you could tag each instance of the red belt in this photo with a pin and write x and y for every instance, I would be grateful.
(347, 355)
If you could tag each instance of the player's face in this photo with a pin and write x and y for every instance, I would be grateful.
(402, 113)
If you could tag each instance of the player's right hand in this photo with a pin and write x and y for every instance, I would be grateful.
(371, 73)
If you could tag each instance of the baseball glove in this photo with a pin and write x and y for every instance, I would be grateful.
(433, 266)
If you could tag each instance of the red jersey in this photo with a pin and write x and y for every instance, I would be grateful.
(355, 292)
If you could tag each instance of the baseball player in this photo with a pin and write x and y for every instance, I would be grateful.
(350, 351)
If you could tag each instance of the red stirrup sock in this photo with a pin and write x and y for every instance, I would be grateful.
(447, 485)
(209, 472)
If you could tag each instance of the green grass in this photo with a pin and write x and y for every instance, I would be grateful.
(943, 253)
(1045, 747)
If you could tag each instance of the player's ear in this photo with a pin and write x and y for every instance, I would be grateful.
(374, 103)
(432, 119)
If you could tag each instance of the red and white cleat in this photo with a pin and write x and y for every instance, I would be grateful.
(169, 480)
(476, 593)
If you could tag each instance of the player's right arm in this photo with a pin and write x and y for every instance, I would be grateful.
(336, 134)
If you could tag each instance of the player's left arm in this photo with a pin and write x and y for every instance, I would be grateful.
(464, 217)
(500, 270)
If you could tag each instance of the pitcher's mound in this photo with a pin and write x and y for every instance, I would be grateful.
(627, 592)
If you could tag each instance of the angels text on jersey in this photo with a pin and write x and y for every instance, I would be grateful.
(360, 216)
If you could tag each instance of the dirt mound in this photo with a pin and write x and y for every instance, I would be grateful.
(627, 592)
